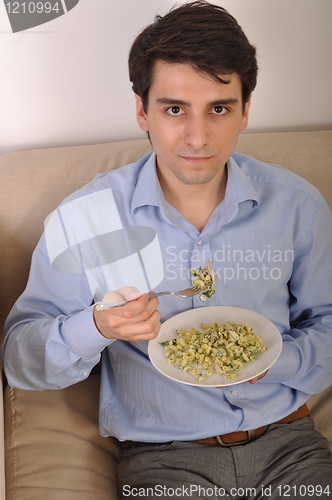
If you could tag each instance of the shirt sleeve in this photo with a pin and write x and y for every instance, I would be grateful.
(305, 363)
(51, 339)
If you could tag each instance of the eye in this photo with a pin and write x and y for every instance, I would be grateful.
(219, 110)
(174, 110)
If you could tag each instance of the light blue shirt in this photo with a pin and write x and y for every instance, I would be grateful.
(270, 243)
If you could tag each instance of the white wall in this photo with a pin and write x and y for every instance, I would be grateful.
(66, 83)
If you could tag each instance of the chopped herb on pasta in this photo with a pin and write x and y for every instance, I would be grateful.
(204, 278)
(213, 349)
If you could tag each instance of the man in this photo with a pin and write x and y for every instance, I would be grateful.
(145, 226)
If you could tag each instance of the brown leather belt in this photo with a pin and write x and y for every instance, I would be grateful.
(241, 437)
(244, 437)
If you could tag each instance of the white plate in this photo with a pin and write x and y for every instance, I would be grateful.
(263, 327)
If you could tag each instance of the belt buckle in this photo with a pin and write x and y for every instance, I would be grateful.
(251, 437)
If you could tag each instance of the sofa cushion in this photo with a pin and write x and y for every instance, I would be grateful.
(53, 446)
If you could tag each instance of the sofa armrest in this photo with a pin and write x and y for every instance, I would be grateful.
(2, 445)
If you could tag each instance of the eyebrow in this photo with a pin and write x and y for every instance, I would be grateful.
(178, 102)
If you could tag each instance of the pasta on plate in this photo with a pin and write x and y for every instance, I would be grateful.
(216, 348)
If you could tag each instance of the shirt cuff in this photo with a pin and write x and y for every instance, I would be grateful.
(83, 336)
(285, 367)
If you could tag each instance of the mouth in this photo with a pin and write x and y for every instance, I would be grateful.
(196, 159)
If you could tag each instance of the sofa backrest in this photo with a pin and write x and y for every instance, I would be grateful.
(34, 182)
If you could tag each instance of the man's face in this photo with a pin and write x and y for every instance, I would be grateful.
(193, 121)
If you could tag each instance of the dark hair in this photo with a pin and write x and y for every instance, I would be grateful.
(203, 35)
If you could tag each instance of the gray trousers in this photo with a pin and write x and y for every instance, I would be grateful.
(288, 461)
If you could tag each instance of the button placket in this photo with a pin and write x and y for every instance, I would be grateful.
(201, 253)
(234, 393)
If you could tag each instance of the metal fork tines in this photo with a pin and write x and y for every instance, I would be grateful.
(186, 293)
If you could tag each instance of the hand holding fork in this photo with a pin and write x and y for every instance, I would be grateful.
(187, 292)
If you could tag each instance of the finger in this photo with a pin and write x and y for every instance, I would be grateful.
(129, 292)
(124, 293)
(144, 330)
(133, 311)
(254, 380)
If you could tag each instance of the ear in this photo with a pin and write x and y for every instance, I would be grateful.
(245, 115)
(141, 116)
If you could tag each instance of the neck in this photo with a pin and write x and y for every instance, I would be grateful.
(195, 202)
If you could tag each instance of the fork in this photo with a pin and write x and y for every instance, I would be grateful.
(187, 292)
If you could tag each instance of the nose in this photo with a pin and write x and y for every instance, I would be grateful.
(196, 133)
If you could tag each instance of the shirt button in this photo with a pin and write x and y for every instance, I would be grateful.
(199, 242)
(234, 393)
(203, 297)
(85, 374)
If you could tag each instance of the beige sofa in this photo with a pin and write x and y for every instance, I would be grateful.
(53, 449)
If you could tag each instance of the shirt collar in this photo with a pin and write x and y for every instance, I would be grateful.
(148, 191)
(239, 187)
